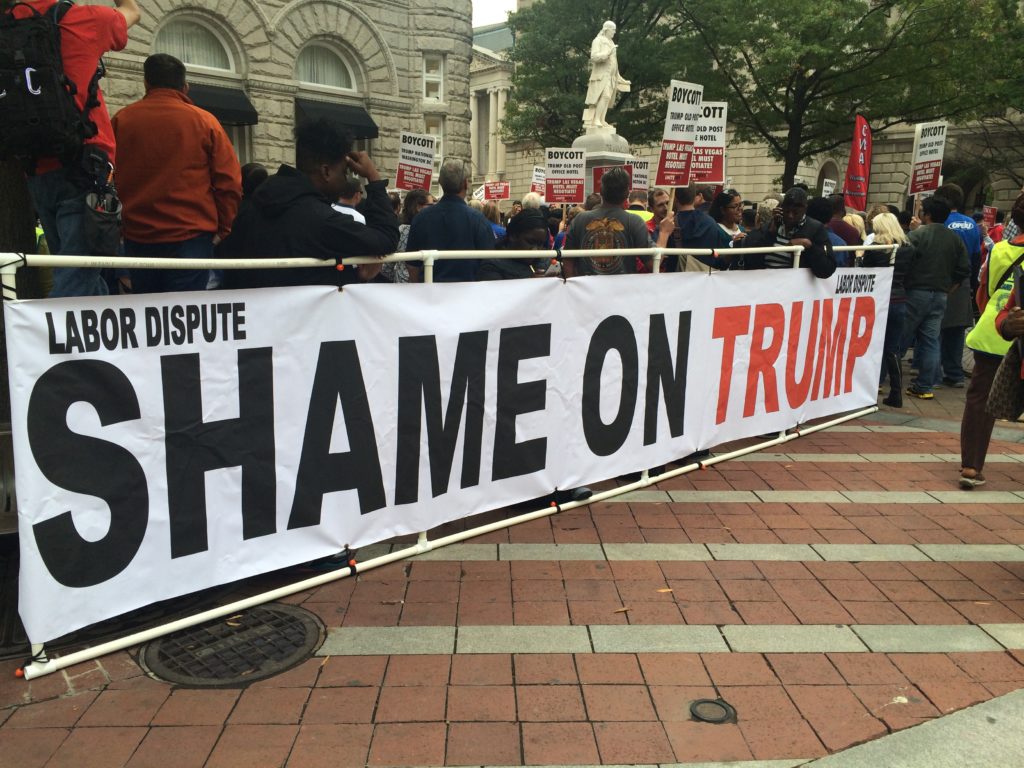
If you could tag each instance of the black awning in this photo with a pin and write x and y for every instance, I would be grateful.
(229, 105)
(354, 119)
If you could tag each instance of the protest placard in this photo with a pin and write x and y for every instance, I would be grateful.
(707, 165)
(684, 113)
(565, 175)
(926, 160)
(415, 161)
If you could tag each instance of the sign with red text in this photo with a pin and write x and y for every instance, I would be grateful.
(988, 214)
(537, 180)
(926, 159)
(415, 161)
(600, 170)
(707, 164)
(684, 113)
(858, 168)
(497, 190)
(565, 175)
(168, 443)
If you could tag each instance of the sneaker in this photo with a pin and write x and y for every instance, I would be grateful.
(953, 383)
(919, 394)
(970, 483)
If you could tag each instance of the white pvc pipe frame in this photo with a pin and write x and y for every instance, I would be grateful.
(41, 665)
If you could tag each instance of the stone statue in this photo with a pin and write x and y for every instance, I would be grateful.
(605, 81)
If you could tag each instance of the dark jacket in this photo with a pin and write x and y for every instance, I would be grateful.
(698, 230)
(451, 225)
(904, 256)
(286, 217)
(941, 260)
(818, 258)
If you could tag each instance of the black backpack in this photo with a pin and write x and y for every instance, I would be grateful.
(38, 113)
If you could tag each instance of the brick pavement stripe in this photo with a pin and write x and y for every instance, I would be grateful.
(526, 639)
(713, 496)
(858, 553)
(656, 639)
(824, 638)
(550, 552)
(799, 497)
(645, 495)
(660, 552)
(763, 552)
(977, 497)
(951, 553)
(375, 641)
(461, 551)
(1010, 636)
(890, 497)
(924, 639)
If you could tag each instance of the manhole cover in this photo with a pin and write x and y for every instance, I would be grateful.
(713, 711)
(237, 649)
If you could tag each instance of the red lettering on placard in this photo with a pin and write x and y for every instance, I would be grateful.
(767, 317)
(730, 322)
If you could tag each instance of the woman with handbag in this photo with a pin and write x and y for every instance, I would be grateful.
(990, 341)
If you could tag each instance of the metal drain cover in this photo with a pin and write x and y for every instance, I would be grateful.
(236, 650)
(713, 711)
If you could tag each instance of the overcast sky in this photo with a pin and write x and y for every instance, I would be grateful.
(491, 11)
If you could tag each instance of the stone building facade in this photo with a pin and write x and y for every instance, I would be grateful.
(379, 67)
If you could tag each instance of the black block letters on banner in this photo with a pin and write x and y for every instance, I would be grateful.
(419, 384)
(659, 371)
(512, 459)
(195, 447)
(87, 465)
(614, 333)
(338, 377)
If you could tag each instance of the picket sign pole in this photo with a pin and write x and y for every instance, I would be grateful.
(44, 666)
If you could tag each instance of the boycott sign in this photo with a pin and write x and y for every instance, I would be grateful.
(684, 113)
(641, 175)
(167, 443)
(601, 170)
(989, 213)
(497, 190)
(828, 186)
(929, 144)
(707, 163)
(537, 182)
(415, 161)
(565, 175)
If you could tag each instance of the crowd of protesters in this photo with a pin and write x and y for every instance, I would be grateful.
(184, 195)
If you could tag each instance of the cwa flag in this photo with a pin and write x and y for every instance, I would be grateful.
(858, 169)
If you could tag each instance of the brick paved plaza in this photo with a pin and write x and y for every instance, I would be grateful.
(834, 590)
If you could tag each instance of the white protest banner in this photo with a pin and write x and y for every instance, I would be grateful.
(926, 162)
(641, 175)
(828, 186)
(497, 190)
(415, 161)
(707, 163)
(169, 443)
(684, 113)
(565, 175)
(537, 181)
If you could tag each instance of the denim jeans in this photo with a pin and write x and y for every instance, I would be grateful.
(951, 346)
(60, 204)
(893, 333)
(170, 280)
(921, 327)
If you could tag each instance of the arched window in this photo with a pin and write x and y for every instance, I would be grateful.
(320, 65)
(194, 44)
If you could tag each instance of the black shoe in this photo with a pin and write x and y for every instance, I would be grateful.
(894, 399)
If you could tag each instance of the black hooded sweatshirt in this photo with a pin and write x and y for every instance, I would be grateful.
(286, 217)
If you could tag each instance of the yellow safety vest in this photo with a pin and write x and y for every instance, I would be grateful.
(984, 337)
(645, 215)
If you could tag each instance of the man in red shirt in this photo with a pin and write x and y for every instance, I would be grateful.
(58, 191)
(178, 177)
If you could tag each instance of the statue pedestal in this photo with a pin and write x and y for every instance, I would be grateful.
(602, 149)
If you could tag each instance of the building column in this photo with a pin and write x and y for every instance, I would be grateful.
(474, 132)
(502, 97)
(492, 154)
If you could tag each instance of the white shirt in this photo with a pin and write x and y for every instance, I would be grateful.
(348, 210)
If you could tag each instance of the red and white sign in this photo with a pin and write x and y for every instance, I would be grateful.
(641, 175)
(191, 442)
(565, 175)
(929, 144)
(707, 164)
(684, 113)
(601, 170)
(537, 182)
(988, 213)
(858, 169)
(497, 190)
(415, 161)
